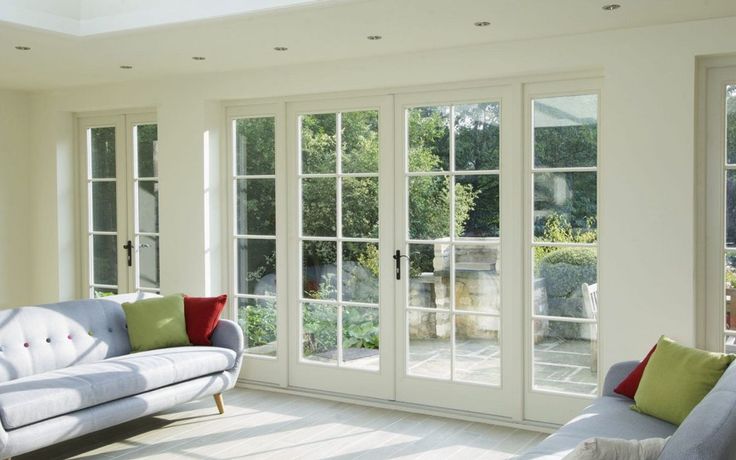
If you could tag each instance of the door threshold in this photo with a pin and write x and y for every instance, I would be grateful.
(403, 406)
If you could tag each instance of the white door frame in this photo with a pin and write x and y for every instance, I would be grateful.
(504, 400)
(303, 374)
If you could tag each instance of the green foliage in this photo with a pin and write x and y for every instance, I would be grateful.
(360, 328)
(258, 323)
(319, 324)
(564, 271)
(557, 229)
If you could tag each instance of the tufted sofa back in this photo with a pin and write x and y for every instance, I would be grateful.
(53, 336)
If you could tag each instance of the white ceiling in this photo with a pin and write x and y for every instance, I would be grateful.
(314, 31)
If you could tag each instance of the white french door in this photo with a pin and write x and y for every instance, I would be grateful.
(341, 291)
(431, 248)
(456, 312)
(119, 163)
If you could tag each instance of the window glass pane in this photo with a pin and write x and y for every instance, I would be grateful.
(319, 327)
(360, 338)
(477, 351)
(319, 143)
(256, 206)
(429, 138)
(105, 259)
(731, 124)
(429, 207)
(429, 274)
(565, 357)
(319, 269)
(257, 318)
(477, 212)
(102, 153)
(730, 278)
(255, 150)
(477, 136)
(360, 272)
(319, 206)
(559, 276)
(360, 207)
(566, 131)
(104, 207)
(148, 206)
(565, 207)
(477, 279)
(731, 208)
(360, 142)
(429, 344)
(148, 260)
(147, 149)
(256, 266)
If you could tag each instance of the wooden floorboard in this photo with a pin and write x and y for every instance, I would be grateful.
(266, 425)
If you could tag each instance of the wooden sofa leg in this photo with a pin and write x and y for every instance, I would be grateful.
(220, 405)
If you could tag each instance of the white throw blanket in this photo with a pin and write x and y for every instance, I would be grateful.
(617, 449)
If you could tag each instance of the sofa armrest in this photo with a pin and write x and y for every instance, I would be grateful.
(3, 442)
(228, 334)
(616, 374)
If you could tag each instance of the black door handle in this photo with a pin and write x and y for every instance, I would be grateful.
(129, 247)
(397, 257)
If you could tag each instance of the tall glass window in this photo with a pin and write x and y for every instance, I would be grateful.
(564, 244)
(254, 232)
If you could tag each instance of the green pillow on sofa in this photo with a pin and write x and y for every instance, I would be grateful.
(676, 379)
(156, 323)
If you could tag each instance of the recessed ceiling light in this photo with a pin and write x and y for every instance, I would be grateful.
(199, 58)
(23, 48)
(374, 37)
(280, 48)
(611, 7)
(126, 67)
(482, 24)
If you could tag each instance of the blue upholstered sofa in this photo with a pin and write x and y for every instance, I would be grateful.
(708, 433)
(66, 369)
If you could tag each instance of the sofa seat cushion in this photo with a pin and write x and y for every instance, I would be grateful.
(32, 399)
(607, 417)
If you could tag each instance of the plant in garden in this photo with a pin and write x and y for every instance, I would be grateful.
(564, 271)
(258, 323)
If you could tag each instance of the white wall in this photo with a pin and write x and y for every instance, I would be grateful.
(647, 203)
(15, 242)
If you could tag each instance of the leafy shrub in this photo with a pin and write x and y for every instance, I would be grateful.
(258, 323)
(564, 271)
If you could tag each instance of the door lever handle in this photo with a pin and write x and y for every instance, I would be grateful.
(129, 247)
(397, 257)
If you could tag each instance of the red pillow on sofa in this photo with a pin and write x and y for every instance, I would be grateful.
(630, 384)
(201, 315)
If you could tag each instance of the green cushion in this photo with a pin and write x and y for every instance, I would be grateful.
(676, 379)
(156, 323)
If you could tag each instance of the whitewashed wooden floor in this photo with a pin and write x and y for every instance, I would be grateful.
(269, 425)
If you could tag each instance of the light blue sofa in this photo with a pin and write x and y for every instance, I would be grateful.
(66, 369)
(708, 433)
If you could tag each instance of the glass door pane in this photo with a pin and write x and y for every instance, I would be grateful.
(102, 231)
(454, 300)
(145, 198)
(254, 189)
(453, 305)
(730, 219)
(339, 244)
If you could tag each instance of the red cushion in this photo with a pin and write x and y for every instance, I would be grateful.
(630, 384)
(202, 315)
